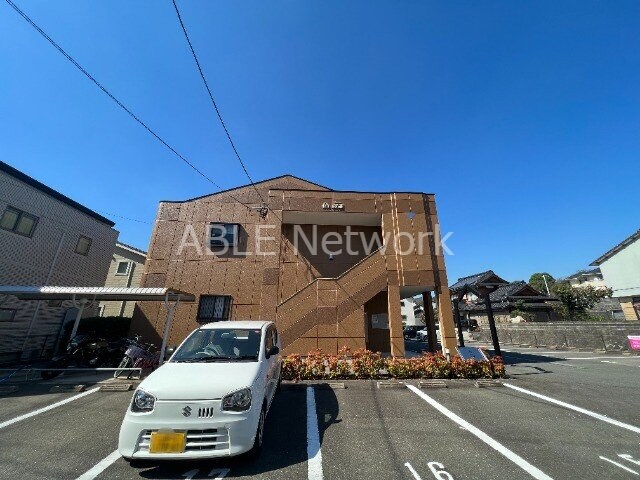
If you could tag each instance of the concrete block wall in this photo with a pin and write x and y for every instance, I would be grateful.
(608, 336)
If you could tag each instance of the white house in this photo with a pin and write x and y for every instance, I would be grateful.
(620, 268)
(46, 238)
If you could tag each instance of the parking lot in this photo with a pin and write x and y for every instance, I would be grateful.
(560, 415)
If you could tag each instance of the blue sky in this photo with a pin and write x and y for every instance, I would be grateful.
(522, 117)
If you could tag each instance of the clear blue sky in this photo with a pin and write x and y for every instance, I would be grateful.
(522, 117)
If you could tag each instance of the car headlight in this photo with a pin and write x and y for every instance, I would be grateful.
(237, 401)
(142, 401)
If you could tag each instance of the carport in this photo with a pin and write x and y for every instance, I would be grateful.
(84, 296)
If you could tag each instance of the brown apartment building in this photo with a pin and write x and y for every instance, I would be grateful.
(330, 267)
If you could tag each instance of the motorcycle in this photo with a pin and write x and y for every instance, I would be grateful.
(86, 351)
(138, 355)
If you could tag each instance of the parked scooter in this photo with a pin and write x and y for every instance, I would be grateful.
(138, 355)
(83, 351)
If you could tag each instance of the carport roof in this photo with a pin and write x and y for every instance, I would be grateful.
(95, 293)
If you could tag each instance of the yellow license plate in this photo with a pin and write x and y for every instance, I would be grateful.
(164, 442)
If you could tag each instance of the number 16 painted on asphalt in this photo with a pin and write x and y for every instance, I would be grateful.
(436, 468)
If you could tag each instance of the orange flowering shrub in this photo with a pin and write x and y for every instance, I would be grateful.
(365, 364)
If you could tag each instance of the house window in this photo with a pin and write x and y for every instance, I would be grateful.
(223, 234)
(18, 222)
(7, 314)
(83, 245)
(123, 268)
(213, 308)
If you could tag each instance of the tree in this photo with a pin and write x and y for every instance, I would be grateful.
(537, 281)
(577, 300)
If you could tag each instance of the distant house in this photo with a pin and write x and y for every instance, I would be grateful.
(125, 270)
(620, 268)
(608, 308)
(591, 277)
(412, 313)
(45, 239)
(506, 299)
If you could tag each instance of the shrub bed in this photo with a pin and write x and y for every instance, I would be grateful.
(364, 364)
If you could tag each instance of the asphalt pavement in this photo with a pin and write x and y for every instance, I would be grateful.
(562, 415)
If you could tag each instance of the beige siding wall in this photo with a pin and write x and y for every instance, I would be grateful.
(626, 303)
(132, 279)
(26, 261)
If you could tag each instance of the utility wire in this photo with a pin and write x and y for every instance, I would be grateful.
(213, 102)
(112, 97)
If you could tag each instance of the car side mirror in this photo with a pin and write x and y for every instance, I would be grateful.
(168, 352)
(273, 351)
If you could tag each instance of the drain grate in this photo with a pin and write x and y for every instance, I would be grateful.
(488, 383)
(391, 384)
(433, 384)
(116, 387)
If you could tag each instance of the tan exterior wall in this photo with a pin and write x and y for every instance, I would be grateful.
(132, 279)
(626, 303)
(27, 261)
(286, 285)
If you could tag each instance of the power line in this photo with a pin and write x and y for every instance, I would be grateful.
(213, 102)
(112, 97)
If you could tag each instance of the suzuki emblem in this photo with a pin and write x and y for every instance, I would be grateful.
(186, 411)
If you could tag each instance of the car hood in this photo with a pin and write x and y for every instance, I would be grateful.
(200, 381)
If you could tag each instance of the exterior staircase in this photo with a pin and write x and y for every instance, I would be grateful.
(325, 302)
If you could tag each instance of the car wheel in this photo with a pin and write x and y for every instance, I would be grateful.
(257, 443)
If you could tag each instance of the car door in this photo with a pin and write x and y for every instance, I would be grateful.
(270, 361)
(277, 358)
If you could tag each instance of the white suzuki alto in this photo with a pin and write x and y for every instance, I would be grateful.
(210, 399)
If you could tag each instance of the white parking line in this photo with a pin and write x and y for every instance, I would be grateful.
(630, 357)
(314, 454)
(47, 408)
(100, 467)
(619, 465)
(515, 458)
(598, 416)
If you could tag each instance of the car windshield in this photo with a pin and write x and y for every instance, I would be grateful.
(220, 345)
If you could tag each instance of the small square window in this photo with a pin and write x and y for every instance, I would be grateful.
(7, 314)
(123, 268)
(214, 308)
(19, 222)
(10, 218)
(83, 246)
(223, 234)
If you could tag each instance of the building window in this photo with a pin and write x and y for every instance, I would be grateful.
(214, 308)
(18, 222)
(83, 245)
(123, 268)
(223, 234)
(7, 314)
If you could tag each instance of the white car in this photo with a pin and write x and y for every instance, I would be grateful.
(210, 399)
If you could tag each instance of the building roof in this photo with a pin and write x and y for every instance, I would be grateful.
(514, 289)
(505, 295)
(320, 188)
(129, 247)
(476, 279)
(94, 293)
(17, 174)
(286, 175)
(621, 246)
(586, 272)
